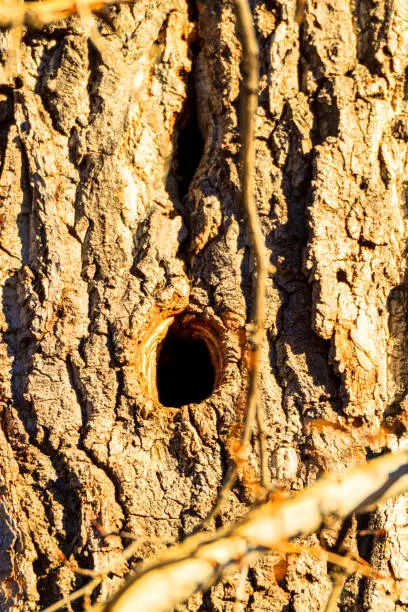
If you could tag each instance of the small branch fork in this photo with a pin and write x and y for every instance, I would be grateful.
(201, 559)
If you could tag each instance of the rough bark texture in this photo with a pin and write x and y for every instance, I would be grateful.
(120, 209)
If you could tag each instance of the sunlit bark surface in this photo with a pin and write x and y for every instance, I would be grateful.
(121, 233)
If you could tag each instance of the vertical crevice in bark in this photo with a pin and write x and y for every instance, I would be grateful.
(120, 388)
(374, 21)
(76, 386)
(364, 540)
(94, 80)
(325, 112)
(189, 146)
(188, 140)
(24, 218)
(47, 69)
(6, 119)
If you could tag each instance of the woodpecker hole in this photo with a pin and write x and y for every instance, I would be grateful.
(181, 360)
(185, 371)
(342, 276)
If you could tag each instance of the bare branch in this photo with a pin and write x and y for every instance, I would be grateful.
(200, 560)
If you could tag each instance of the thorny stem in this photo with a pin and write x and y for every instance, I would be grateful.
(348, 564)
(249, 105)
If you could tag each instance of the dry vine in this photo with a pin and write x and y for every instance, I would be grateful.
(249, 105)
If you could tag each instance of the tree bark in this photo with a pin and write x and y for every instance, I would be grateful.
(121, 226)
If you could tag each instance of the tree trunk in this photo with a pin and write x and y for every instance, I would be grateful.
(126, 275)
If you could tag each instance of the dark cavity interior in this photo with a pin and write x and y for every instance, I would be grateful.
(185, 373)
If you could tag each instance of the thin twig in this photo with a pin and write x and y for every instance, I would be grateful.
(85, 572)
(351, 566)
(85, 590)
(338, 582)
(85, 13)
(339, 578)
(91, 586)
(240, 589)
(200, 560)
(250, 85)
(249, 105)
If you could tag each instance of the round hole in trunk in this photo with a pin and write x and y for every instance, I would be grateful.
(185, 372)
